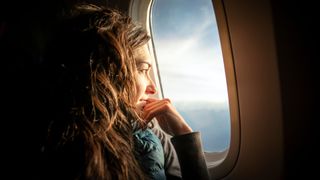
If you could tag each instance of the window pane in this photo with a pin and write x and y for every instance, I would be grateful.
(189, 57)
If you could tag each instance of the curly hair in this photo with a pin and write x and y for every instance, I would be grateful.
(94, 94)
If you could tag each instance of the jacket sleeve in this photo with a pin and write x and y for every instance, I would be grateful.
(191, 156)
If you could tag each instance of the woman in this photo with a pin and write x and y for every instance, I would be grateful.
(101, 124)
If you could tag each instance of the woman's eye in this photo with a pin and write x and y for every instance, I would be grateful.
(144, 71)
(143, 68)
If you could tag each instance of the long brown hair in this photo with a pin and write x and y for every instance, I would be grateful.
(91, 134)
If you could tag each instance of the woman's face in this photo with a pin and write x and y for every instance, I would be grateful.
(145, 85)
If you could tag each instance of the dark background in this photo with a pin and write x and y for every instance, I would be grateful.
(297, 37)
(26, 30)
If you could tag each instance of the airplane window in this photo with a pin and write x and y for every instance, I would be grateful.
(191, 69)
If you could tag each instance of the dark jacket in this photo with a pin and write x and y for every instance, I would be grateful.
(189, 150)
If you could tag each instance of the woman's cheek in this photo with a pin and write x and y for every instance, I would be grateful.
(138, 89)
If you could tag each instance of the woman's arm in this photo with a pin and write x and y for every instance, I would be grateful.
(191, 156)
(187, 143)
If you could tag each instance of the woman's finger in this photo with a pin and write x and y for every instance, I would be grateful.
(156, 110)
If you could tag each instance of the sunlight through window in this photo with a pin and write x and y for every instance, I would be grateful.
(190, 63)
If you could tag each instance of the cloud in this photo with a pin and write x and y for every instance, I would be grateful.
(191, 72)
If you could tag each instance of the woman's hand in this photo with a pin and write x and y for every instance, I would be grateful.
(167, 116)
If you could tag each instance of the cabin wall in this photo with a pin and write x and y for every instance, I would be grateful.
(257, 76)
(274, 49)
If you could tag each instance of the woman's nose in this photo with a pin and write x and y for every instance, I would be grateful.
(151, 88)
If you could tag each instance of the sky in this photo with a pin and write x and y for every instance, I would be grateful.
(188, 51)
(190, 63)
